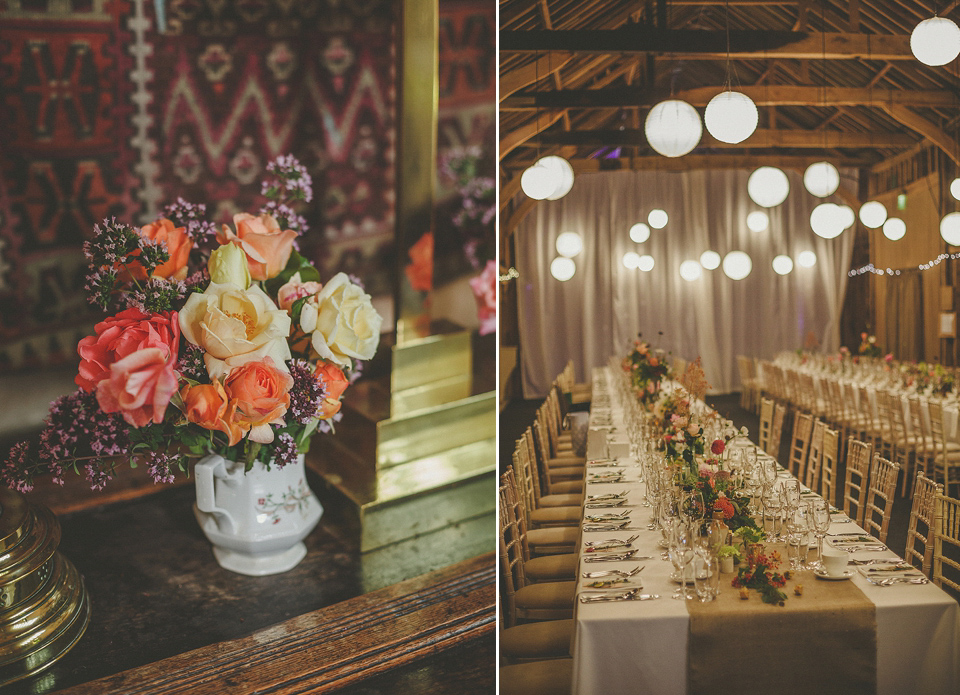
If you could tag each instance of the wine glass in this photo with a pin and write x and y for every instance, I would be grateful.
(692, 506)
(681, 550)
(772, 510)
(706, 575)
(819, 510)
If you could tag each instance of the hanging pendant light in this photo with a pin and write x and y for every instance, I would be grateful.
(646, 263)
(631, 260)
(673, 128)
(807, 259)
(950, 228)
(873, 214)
(690, 271)
(639, 233)
(731, 117)
(782, 265)
(758, 221)
(561, 173)
(737, 265)
(826, 220)
(563, 268)
(935, 41)
(768, 187)
(569, 244)
(894, 229)
(537, 182)
(658, 218)
(821, 179)
(710, 260)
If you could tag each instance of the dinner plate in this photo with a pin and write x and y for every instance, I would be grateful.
(821, 574)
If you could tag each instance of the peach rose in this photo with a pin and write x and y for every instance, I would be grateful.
(120, 336)
(235, 326)
(262, 393)
(178, 246)
(140, 386)
(334, 383)
(654, 362)
(267, 246)
(420, 269)
(296, 289)
(207, 405)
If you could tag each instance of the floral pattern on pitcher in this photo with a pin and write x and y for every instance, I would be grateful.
(289, 501)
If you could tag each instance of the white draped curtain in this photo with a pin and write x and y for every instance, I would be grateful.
(605, 305)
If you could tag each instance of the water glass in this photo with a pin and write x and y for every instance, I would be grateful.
(706, 576)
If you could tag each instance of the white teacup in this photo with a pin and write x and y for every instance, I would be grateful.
(834, 561)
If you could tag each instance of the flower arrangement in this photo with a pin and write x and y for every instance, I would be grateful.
(647, 368)
(868, 346)
(460, 167)
(720, 491)
(217, 341)
(759, 573)
(923, 377)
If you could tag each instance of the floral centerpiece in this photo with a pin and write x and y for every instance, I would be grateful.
(922, 377)
(217, 341)
(868, 346)
(647, 368)
(759, 572)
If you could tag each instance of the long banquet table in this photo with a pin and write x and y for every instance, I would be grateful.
(642, 646)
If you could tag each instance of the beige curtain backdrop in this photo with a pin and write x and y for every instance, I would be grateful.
(904, 329)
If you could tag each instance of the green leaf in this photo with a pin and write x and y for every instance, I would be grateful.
(296, 264)
(296, 309)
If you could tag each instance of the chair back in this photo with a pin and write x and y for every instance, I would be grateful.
(919, 549)
(815, 459)
(538, 444)
(856, 479)
(800, 444)
(828, 464)
(525, 486)
(776, 430)
(510, 550)
(766, 423)
(946, 542)
(880, 492)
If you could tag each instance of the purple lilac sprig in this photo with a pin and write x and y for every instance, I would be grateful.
(192, 217)
(114, 247)
(306, 394)
(191, 364)
(284, 450)
(286, 217)
(161, 465)
(157, 294)
(289, 180)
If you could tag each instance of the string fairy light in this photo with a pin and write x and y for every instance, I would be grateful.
(870, 268)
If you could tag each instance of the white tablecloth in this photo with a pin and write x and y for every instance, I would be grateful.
(641, 647)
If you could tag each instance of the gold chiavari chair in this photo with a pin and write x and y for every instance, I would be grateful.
(946, 542)
(946, 459)
(748, 382)
(545, 677)
(856, 479)
(522, 600)
(828, 464)
(815, 458)
(880, 492)
(540, 517)
(925, 449)
(556, 469)
(776, 430)
(836, 411)
(529, 470)
(857, 416)
(766, 423)
(874, 428)
(919, 548)
(800, 444)
(565, 481)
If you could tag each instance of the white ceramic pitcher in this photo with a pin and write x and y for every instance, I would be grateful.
(257, 520)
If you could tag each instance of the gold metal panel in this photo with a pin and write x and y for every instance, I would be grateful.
(429, 359)
(431, 395)
(433, 430)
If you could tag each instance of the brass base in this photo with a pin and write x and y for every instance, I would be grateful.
(44, 607)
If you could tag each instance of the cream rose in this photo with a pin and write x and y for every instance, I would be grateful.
(343, 322)
(235, 326)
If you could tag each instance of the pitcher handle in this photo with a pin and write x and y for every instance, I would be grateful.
(213, 466)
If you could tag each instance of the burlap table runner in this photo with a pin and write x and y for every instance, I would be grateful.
(823, 642)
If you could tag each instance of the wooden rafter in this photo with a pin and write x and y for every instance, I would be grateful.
(697, 44)
(703, 161)
(516, 79)
(518, 136)
(931, 131)
(805, 139)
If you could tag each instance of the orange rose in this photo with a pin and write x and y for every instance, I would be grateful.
(262, 393)
(334, 383)
(208, 406)
(420, 269)
(178, 246)
(267, 246)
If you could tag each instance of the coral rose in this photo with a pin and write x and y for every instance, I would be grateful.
(420, 269)
(235, 326)
(295, 289)
(122, 335)
(267, 246)
(334, 384)
(140, 386)
(178, 246)
(262, 394)
(343, 322)
(207, 405)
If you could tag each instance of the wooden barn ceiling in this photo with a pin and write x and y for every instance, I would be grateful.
(832, 79)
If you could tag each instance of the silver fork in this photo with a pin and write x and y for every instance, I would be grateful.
(613, 573)
(612, 542)
(890, 581)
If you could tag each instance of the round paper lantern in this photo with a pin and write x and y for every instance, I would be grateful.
(646, 263)
(639, 233)
(768, 187)
(807, 259)
(873, 214)
(731, 117)
(846, 216)
(569, 244)
(894, 228)
(955, 188)
(673, 128)
(690, 270)
(758, 221)
(563, 268)
(826, 220)
(950, 228)
(710, 260)
(935, 41)
(737, 265)
(562, 175)
(537, 182)
(782, 265)
(631, 260)
(658, 218)
(821, 179)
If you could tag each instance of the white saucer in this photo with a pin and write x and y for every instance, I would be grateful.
(821, 574)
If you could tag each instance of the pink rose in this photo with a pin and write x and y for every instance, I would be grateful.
(267, 246)
(693, 429)
(121, 336)
(484, 288)
(140, 386)
(296, 289)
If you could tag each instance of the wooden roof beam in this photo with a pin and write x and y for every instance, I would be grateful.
(762, 95)
(696, 44)
(931, 131)
(805, 139)
(518, 136)
(703, 161)
(516, 79)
